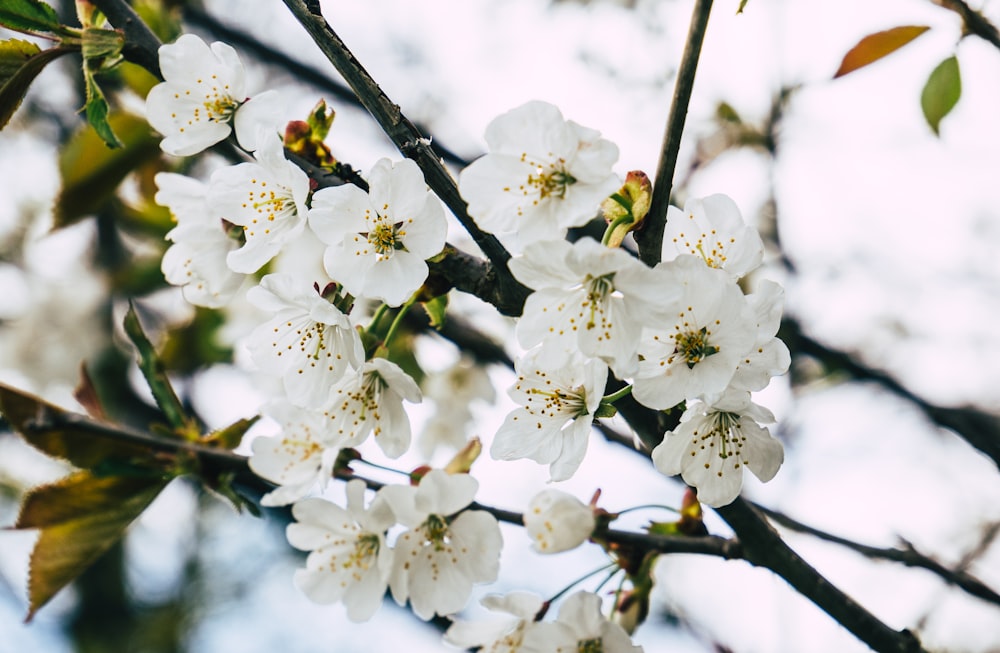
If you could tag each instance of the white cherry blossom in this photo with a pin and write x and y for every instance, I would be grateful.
(370, 401)
(300, 459)
(202, 95)
(441, 556)
(769, 356)
(557, 408)
(557, 521)
(197, 259)
(582, 629)
(349, 559)
(715, 442)
(590, 298)
(379, 240)
(267, 198)
(542, 175)
(712, 229)
(308, 342)
(505, 634)
(695, 352)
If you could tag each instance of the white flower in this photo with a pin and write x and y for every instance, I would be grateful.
(299, 459)
(379, 240)
(197, 259)
(557, 521)
(715, 442)
(712, 229)
(584, 629)
(440, 557)
(453, 391)
(371, 401)
(308, 342)
(542, 175)
(557, 407)
(504, 635)
(590, 298)
(204, 89)
(350, 561)
(266, 198)
(697, 351)
(769, 356)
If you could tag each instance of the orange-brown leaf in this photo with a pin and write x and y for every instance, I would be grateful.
(80, 517)
(875, 46)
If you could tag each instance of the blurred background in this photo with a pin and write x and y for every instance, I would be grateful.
(884, 235)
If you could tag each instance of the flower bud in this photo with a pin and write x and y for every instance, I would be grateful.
(626, 209)
(557, 521)
(461, 463)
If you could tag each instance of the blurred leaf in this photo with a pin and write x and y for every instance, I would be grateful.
(156, 377)
(875, 46)
(941, 92)
(80, 517)
(30, 16)
(87, 396)
(91, 172)
(20, 63)
(743, 4)
(437, 310)
(197, 344)
(97, 112)
(51, 430)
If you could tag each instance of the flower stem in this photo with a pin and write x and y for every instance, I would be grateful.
(614, 224)
(376, 318)
(403, 310)
(648, 506)
(650, 238)
(615, 396)
(579, 580)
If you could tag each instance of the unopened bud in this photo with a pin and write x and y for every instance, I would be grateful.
(461, 463)
(626, 209)
(557, 521)
(632, 609)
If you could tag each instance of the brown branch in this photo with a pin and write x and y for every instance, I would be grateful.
(973, 22)
(650, 236)
(906, 555)
(141, 45)
(976, 427)
(407, 138)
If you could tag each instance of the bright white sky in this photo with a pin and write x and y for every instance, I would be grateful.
(894, 233)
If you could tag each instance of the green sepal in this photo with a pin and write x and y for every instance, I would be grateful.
(229, 437)
(320, 120)
(97, 112)
(605, 410)
(101, 44)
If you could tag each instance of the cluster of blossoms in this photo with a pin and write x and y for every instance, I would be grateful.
(682, 332)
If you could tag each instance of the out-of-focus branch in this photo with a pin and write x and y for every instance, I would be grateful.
(140, 43)
(302, 72)
(979, 429)
(973, 22)
(407, 138)
(650, 237)
(906, 555)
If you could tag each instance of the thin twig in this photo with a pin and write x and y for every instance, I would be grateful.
(906, 555)
(973, 22)
(407, 138)
(650, 237)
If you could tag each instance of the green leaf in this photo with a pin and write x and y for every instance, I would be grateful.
(29, 16)
(97, 112)
(65, 435)
(941, 92)
(875, 46)
(20, 63)
(437, 310)
(91, 172)
(155, 375)
(230, 436)
(80, 517)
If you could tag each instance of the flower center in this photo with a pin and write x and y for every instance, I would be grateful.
(365, 549)
(436, 530)
(270, 203)
(551, 182)
(560, 401)
(598, 289)
(595, 645)
(386, 238)
(693, 346)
